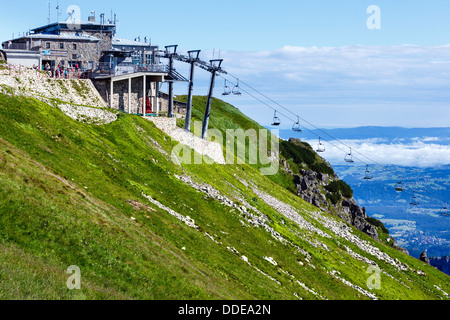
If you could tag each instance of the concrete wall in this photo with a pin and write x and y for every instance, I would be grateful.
(24, 58)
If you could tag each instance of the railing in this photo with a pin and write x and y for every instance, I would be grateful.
(14, 46)
(128, 68)
(151, 68)
(52, 74)
(71, 74)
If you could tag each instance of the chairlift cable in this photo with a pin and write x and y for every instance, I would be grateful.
(289, 118)
(384, 169)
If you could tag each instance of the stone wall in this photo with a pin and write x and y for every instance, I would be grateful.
(85, 51)
(206, 148)
(178, 106)
(32, 83)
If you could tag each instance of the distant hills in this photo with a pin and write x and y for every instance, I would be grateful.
(415, 228)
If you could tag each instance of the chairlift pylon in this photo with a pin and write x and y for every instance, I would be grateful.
(349, 158)
(276, 120)
(226, 89)
(296, 127)
(321, 146)
(368, 175)
(236, 90)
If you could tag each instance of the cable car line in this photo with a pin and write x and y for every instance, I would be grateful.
(296, 127)
(400, 186)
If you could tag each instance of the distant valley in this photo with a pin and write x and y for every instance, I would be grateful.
(417, 228)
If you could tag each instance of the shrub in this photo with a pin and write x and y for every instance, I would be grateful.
(334, 197)
(341, 186)
(301, 152)
(297, 153)
(322, 168)
(377, 223)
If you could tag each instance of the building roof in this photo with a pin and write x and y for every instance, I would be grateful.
(64, 36)
(131, 43)
(81, 23)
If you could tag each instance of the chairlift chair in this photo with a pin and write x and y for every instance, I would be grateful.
(399, 186)
(369, 175)
(349, 157)
(414, 201)
(226, 89)
(296, 127)
(320, 147)
(236, 91)
(444, 211)
(276, 120)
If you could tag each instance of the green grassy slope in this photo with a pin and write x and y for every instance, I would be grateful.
(74, 194)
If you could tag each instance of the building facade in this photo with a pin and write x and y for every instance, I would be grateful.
(90, 45)
(127, 73)
(67, 45)
(25, 58)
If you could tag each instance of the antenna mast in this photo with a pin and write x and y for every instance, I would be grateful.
(57, 11)
(49, 13)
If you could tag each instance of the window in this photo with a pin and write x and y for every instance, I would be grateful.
(74, 56)
(74, 46)
(47, 45)
(61, 45)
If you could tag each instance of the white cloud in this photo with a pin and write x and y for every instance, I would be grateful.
(431, 139)
(415, 154)
(403, 85)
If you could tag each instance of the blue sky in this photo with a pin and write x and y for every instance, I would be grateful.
(251, 24)
(318, 58)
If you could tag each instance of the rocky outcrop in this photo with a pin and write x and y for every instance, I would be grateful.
(397, 247)
(441, 263)
(424, 257)
(311, 187)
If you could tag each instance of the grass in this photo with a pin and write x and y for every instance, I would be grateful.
(72, 194)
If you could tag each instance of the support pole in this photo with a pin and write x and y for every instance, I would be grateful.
(193, 58)
(111, 94)
(208, 107)
(129, 95)
(157, 98)
(144, 94)
(170, 111)
(187, 125)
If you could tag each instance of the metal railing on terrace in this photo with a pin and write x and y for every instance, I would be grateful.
(14, 46)
(129, 68)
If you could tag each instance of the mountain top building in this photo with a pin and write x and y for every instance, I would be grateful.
(126, 73)
(86, 44)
